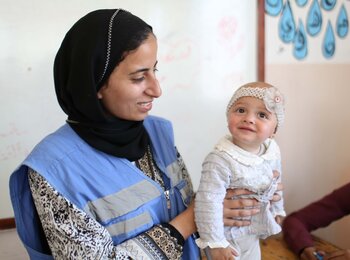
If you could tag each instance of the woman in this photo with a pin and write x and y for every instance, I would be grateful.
(110, 183)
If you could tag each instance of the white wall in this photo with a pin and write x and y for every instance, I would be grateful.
(315, 139)
(206, 50)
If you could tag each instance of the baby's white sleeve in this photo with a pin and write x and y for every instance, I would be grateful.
(209, 203)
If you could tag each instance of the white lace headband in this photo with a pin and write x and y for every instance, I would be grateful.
(272, 97)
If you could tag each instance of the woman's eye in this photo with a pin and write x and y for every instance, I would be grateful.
(137, 80)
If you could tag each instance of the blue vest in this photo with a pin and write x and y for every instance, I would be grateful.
(112, 190)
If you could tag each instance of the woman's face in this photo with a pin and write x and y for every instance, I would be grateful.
(131, 88)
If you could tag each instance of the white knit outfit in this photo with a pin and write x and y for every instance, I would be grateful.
(229, 166)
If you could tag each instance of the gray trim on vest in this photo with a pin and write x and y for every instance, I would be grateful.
(173, 170)
(122, 202)
(129, 224)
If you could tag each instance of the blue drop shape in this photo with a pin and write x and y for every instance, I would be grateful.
(328, 4)
(314, 19)
(328, 45)
(342, 22)
(300, 42)
(301, 2)
(273, 7)
(286, 26)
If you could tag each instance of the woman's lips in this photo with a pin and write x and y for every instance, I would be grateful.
(145, 106)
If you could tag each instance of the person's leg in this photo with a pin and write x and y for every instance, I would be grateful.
(249, 248)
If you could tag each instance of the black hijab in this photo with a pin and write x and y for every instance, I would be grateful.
(90, 51)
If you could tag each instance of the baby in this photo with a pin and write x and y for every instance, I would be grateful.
(245, 159)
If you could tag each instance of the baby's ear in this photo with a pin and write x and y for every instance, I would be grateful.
(274, 132)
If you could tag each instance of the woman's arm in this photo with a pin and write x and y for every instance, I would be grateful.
(184, 222)
(72, 234)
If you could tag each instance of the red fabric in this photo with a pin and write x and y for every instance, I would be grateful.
(298, 225)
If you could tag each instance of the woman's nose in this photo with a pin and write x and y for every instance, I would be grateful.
(153, 88)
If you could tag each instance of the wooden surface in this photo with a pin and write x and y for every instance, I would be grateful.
(274, 247)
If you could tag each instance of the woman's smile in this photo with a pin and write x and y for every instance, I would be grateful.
(145, 106)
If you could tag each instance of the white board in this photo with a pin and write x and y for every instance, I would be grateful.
(206, 50)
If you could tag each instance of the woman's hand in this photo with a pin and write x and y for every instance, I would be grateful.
(276, 197)
(237, 208)
(279, 220)
(184, 222)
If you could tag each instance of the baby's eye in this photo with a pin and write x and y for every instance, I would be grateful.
(263, 115)
(240, 110)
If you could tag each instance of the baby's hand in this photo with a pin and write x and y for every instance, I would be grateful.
(222, 253)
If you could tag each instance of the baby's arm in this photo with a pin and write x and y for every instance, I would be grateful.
(209, 202)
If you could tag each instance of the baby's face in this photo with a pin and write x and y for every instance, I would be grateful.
(250, 123)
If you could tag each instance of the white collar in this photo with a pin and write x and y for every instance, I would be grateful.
(247, 158)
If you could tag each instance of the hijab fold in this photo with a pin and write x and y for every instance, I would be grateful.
(87, 56)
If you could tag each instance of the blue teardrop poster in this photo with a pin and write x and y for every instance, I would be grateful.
(328, 45)
(328, 4)
(301, 2)
(286, 26)
(314, 19)
(273, 7)
(342, 23)
(300, 42)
